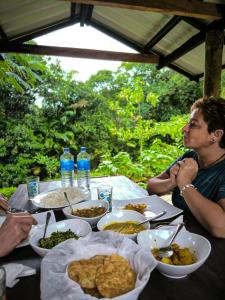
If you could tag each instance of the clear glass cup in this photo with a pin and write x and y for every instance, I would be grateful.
(2, 284)
(105, 193)
(32, 186)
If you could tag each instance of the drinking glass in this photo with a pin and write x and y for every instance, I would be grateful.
(33, 186)
(105, 193)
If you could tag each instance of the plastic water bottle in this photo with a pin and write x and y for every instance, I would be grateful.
(83, 169)
(67, 168)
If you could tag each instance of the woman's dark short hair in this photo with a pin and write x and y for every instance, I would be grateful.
(213, 111)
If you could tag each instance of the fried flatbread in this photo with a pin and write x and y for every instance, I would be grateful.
(84, 271)
(103, 276)
(115, 277)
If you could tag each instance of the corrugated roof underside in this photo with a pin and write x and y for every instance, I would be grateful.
(136, 25)
(18, 17)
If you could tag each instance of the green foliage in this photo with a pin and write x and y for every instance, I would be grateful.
(129, 120)
(7, 192)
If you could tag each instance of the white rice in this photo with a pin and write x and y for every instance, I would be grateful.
(57, 198)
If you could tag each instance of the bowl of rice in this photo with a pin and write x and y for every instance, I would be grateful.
(55, 199)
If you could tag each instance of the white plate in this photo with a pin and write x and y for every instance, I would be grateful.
(79, 227)
(154, 204)
(40, 218)
(55, 199)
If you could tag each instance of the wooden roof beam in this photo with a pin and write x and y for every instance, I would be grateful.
(114, 34)
(193, 42)
(195, 23)
(73, 10)
(81, 53)
(187, 8)
(3, 35)
(85, 13)
(27, 36)
(162, 32)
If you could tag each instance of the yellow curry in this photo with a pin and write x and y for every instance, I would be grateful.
(181, 256)
(128, 227)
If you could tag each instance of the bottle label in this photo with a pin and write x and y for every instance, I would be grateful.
(67, 165)
(83, 164)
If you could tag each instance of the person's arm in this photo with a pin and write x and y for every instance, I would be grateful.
(15, 228)
(160, 185)
(3, 205)
(210, 215)
(164, 183)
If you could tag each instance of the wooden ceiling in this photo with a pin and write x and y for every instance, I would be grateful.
(168, 33)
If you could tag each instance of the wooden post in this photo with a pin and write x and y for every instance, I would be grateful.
(213, 62)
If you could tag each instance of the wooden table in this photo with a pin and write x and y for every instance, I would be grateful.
(207, 283)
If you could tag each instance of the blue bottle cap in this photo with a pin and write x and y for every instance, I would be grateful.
(66, 149)
(82, 148)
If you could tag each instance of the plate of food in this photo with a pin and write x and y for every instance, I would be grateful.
(55, 199)
(40, 218)
(149, 206)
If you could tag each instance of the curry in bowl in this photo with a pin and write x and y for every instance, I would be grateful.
(90, 212)
(180, 257)
(128, 227)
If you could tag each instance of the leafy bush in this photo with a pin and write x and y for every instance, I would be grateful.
(7, 192)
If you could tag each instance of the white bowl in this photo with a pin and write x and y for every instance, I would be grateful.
(86, 204)
(197, 244)
(122, 216)
(79, 227)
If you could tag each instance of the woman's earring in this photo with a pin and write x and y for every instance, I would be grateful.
(212, 141)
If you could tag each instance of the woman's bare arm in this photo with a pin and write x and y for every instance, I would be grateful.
(160, 185)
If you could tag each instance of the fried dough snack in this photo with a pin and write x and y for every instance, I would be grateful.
(115, 277)
(139, 207)
(84, 271)
(103, 276)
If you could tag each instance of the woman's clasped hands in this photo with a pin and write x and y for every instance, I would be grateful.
(183, 172)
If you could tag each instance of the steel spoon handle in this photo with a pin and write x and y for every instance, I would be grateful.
(178, 229)
(153, 218)
(71, 207)
(48, 216)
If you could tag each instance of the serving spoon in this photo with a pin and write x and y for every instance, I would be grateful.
(162, 213)
(48, 216)
(71, 207)
(166, 252)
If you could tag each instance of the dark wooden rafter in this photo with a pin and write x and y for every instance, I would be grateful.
(162, 32)
(3, 35)
(26, 36)
(103, 28)
(83, 14)
(73, 7)
(195, 23)
(192, 43)
(81, 53)
(114, 34)
(194, 8)
(183, 72)
(89, 14)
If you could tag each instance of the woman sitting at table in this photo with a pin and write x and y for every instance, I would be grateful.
(197, 178)
(14, 229)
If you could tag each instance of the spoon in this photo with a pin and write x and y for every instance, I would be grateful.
(166, 252)
(71, 207)
(162, 213)
(48, 216)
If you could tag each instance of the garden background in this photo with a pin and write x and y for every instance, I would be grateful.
(129, 120)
